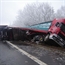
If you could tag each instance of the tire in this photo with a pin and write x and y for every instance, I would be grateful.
(38, 39)
(46, 39)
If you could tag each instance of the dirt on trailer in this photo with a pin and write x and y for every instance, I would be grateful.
(56, 53)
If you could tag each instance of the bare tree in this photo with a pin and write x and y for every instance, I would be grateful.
(61, 12)
(19, 20)
(36, 13)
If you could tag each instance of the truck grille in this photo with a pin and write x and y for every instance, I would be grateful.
(62, 36)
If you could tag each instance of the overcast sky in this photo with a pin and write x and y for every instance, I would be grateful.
(9, 8)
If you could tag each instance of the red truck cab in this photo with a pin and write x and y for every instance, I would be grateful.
(57, 32)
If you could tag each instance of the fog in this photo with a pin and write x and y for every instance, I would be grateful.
(9, 9)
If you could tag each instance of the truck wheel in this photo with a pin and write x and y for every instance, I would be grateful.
(46, 39)
(38, 39)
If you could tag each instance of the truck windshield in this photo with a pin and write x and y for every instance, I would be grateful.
(63, 27)
(58, 24)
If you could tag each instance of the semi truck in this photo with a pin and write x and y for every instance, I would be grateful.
(51, 30)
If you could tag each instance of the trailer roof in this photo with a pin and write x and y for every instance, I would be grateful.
(41, 23)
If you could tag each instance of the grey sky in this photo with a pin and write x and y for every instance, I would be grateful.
(9, 8)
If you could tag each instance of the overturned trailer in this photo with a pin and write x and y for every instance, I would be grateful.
(12, 33)
(16, 34)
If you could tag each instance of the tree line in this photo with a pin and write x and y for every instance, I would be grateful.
(37, 13)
